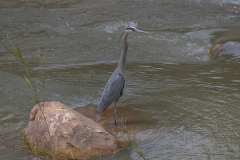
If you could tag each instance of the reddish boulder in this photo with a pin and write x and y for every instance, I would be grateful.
(63, 133)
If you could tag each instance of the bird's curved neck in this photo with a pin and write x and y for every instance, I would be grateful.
(123, 57)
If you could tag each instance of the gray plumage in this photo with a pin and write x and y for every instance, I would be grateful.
(112, 91)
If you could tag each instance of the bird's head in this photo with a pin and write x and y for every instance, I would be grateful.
(132, 27)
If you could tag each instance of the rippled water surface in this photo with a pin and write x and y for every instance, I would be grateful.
(73, 47)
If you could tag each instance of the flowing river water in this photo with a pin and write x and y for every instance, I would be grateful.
(73, 47)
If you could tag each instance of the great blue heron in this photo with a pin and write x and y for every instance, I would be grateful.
(114, 88)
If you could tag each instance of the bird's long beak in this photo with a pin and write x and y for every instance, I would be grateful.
(139, 30)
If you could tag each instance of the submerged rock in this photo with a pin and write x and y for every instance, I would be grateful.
(226, 44)
(63, 133)
(130, 121)
(229, 49)
(127, 116)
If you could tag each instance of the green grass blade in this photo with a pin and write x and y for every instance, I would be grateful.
(28, 81)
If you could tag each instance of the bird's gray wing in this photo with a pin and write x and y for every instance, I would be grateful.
(112, 91)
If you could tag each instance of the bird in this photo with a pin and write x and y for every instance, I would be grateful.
(114, 87)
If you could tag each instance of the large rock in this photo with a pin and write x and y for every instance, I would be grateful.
(63, 133)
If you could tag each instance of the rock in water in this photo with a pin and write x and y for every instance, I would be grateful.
(59, 131)
(225, 44)
(228, 49)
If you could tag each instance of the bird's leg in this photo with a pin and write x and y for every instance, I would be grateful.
(115, 113)
(98, 117)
